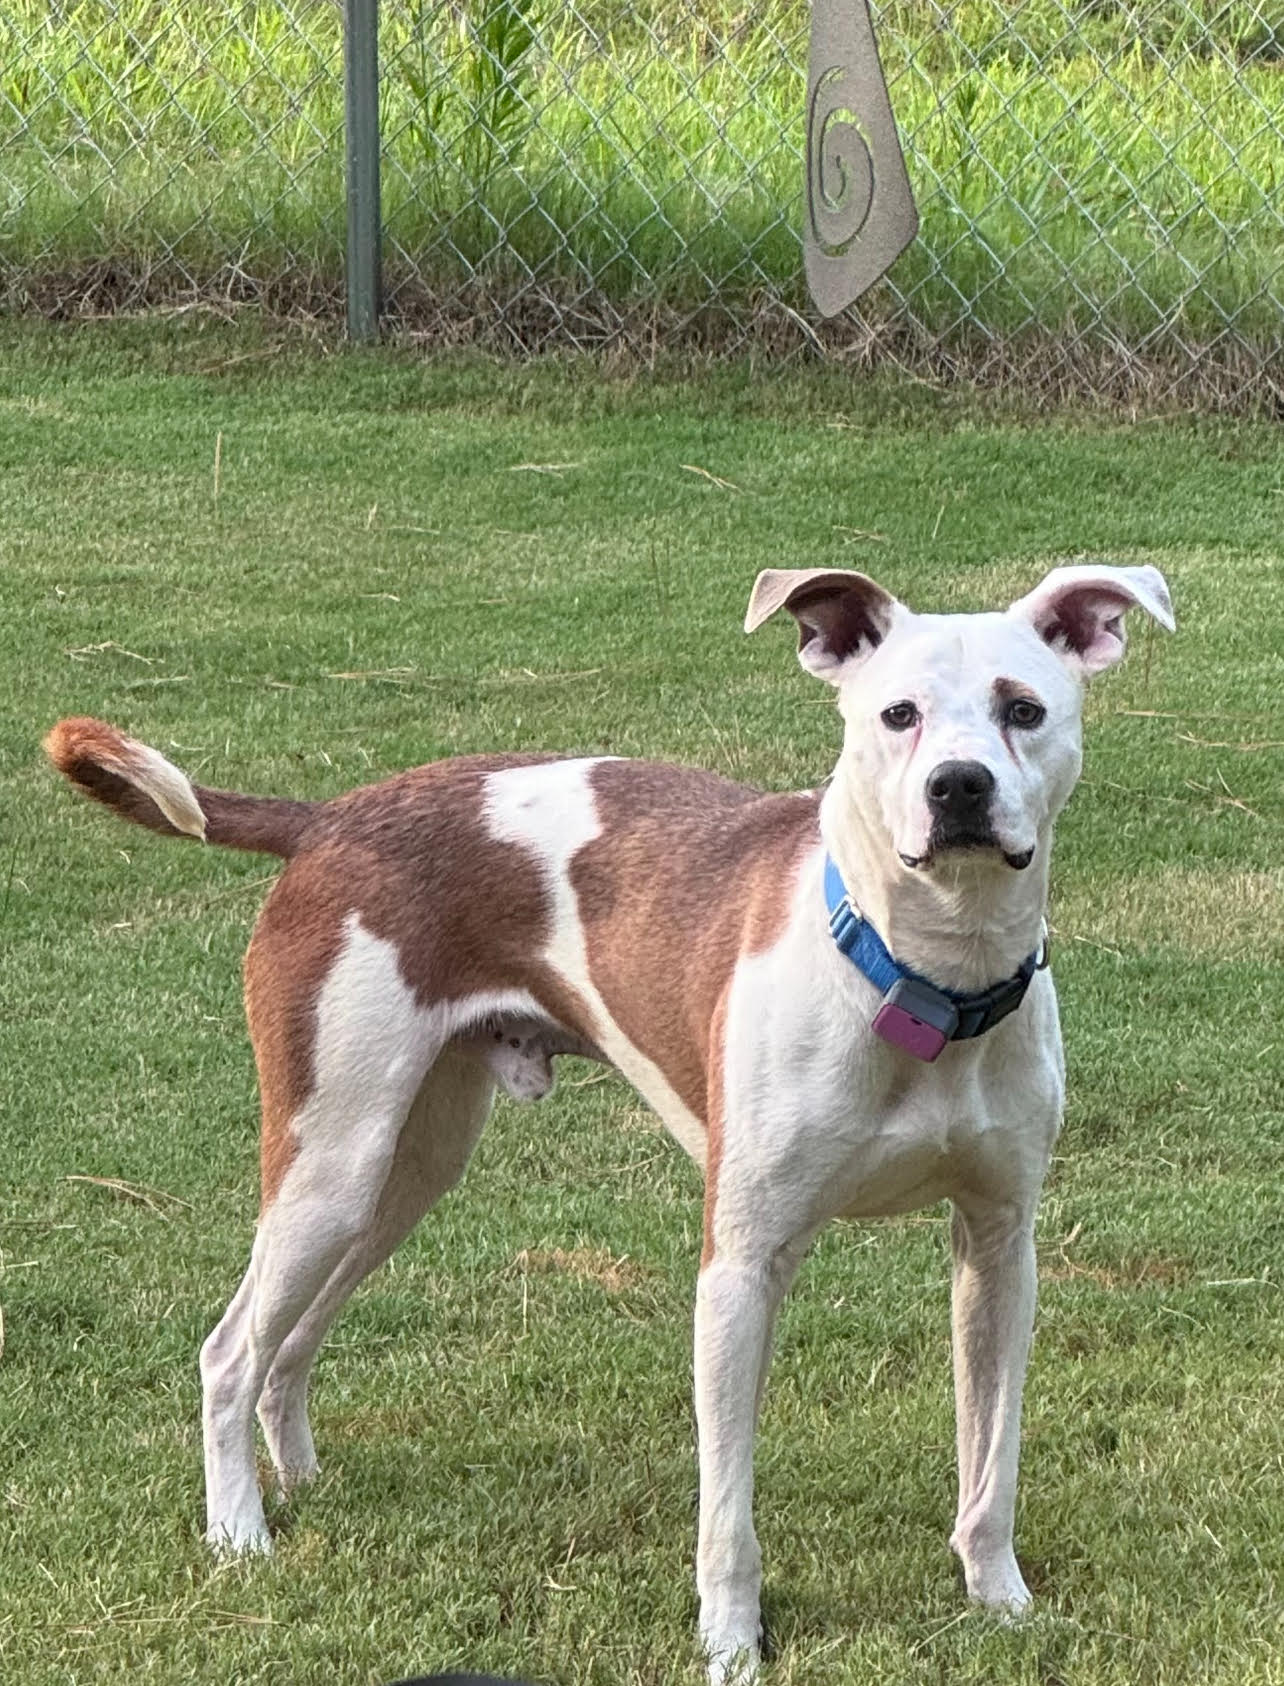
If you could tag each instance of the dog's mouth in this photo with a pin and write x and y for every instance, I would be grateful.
(970, 840)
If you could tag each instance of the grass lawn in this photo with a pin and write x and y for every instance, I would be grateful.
(404, 561)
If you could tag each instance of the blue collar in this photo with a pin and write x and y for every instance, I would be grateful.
(917, 1015)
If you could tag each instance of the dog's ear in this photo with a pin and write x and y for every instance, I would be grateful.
(1079, 611)
(842, 616)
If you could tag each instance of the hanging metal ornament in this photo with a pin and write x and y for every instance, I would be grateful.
(860, 212)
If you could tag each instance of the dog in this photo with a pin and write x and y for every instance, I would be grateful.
(836, 1000)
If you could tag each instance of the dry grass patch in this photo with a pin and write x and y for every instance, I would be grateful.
(1201, 911)
(585, 1264)
(1127, 1274)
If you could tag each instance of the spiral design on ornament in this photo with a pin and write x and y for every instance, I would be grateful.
(840, 171)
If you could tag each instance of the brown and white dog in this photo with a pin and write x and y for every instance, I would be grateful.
(676, 924)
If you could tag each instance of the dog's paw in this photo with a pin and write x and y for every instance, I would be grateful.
(1000, 1588)
(991, 1572)
(230, 1540)
(731, 1663)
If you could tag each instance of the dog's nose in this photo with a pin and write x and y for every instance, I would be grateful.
(959, 789)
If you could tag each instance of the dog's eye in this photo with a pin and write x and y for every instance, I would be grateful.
(900, 717)
(1025, 712)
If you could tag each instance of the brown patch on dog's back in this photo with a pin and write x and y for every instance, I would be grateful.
(467, 912)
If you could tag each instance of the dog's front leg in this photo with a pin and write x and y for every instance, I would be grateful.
(736, 1304)
(993, 1314)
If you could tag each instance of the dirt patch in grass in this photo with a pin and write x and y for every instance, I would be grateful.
(585, 1264)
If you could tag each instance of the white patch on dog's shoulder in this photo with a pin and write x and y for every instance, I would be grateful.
(550, 810)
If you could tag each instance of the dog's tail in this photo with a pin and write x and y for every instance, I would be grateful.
(139, 784)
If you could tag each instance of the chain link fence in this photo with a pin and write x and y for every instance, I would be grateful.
(1101, 184)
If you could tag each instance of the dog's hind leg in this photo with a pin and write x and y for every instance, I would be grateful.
(993, 1316)
(353, 1079)
(435, 1144)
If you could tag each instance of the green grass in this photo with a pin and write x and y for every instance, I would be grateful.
(1081, 168)
(503, 1415)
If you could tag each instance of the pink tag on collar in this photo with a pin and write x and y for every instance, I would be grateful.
(903, 1030)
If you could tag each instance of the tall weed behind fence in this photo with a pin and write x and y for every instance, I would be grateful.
(1101, 184)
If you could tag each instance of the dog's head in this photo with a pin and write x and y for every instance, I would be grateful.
(962, 731)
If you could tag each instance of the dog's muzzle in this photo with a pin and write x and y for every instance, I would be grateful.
(958, 798)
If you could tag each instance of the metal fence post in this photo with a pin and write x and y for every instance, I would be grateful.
(361, 133)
